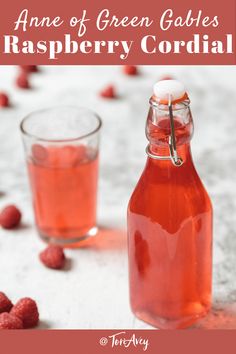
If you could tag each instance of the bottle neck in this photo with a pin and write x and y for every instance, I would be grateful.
(183, 151)
(159, 132)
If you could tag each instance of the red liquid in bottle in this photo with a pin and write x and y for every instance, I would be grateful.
(64, 183)
(170, 235)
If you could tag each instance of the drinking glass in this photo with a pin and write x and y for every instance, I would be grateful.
(62, 147)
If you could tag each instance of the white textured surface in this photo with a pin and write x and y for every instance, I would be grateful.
(93, 293)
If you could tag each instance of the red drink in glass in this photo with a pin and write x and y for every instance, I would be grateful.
(62, 148)
(64, 183)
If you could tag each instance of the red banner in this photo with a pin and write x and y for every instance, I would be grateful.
(118, 341)
(110, 32)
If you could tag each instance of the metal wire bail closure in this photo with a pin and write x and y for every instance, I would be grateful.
(175, 159)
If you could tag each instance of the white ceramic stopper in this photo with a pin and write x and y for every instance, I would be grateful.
(162, 90)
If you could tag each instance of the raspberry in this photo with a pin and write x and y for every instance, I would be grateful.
(10, 321)
(22, 80)
(4, 100)
(26, 309)
(29, 68)
(53, 257)
(39, 153)
(10, 217)
(5, 303)
(108, 92)
(167, 78)
(130, 70)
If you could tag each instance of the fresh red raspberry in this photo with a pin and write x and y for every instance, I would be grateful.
(22, 80)
(53, 257)
(5, 303)
(10, 321)
(10, 217)
(29, 68)
(131, 70)
(4, 100)
(108, 92)
(26, 309)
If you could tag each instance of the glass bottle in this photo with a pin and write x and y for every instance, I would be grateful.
(170, 223)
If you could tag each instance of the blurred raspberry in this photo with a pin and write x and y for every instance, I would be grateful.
(29, 68)
(22, 80)
(39, 152)
(53, 257)
(5, 303)
(167, 77)
(10, 217)
(131, 70)
(4, 100)
(108, 92)
(10, 321)
(26, 309)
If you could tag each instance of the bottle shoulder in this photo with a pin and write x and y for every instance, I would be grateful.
(170, 185)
